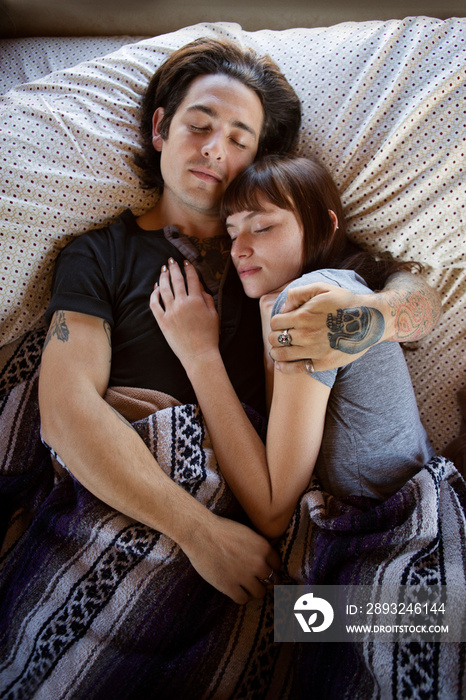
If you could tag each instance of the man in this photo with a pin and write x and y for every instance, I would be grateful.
(210, 110)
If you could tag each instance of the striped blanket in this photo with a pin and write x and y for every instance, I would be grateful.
(94, 605)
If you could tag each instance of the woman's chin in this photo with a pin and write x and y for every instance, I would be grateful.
(252, 293)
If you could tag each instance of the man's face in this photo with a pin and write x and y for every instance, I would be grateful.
(214, 135)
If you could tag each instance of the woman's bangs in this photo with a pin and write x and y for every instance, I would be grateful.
(241, 195)
(251, 191)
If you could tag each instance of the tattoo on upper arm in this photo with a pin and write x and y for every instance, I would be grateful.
(355, 330)
(58, 328)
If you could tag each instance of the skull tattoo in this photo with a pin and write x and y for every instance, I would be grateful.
(354, 330)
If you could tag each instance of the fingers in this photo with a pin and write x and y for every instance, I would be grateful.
(163, 294)
(193, 282)
(299, 323)
(171, 283)
(297, 367)
(298, 340)
(266, 577)
(297, 296)
(260, 578)
(273, 559)
(256, 587)
(293, 353)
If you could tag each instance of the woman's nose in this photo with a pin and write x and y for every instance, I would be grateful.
(240, 248)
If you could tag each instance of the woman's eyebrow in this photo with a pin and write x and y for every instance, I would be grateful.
(212, 113)
(251, 214)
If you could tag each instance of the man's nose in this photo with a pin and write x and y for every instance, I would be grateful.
(213, 147)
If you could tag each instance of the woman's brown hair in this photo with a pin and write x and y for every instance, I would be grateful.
(305, 187)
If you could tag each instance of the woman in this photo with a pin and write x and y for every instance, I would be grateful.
(357, 428)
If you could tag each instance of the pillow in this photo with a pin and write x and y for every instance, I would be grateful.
(382, 109)
(24, 60)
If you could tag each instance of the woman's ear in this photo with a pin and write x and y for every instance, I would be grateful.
(157, 139)
(334, 218)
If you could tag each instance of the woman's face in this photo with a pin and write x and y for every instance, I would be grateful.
(267, 248)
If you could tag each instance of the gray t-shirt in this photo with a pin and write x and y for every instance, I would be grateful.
(373, 438)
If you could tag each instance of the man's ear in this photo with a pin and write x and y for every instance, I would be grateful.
(334, 218)
(157, 139)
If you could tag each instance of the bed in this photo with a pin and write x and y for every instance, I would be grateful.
(383, 104)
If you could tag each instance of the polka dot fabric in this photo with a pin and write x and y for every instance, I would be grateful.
(24, 60)
(383, 109)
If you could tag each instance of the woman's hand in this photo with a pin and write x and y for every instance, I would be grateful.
(185, 313)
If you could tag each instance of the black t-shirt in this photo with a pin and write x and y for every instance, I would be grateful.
(110, 273)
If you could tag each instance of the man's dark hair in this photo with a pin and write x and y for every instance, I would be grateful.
(171, 81)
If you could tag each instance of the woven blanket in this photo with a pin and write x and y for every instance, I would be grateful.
(94, 605)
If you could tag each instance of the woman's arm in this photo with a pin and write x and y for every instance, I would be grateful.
(408, 306)
(267, 486)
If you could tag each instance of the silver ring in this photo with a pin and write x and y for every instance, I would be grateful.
(284, 338)
(268, 580)
(309, 366)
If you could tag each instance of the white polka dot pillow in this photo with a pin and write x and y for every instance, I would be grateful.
(24, 60)
(383, 109)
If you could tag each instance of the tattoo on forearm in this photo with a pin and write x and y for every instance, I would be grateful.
(58, 328)
(415, 306)
(355, 330)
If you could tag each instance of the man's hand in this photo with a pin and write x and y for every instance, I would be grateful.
(333, 326)
(232, 558)
(328, 324)
(108, 457)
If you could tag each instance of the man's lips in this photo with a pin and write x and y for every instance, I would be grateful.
(206, 175)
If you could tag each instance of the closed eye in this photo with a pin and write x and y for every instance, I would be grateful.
(238, 144)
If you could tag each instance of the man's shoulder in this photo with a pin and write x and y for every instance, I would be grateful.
(113, 228)
(113, 235)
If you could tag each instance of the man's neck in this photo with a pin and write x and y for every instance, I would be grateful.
(189, 223)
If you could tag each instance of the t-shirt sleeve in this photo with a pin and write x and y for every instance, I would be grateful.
(347, 279)
(84, 277)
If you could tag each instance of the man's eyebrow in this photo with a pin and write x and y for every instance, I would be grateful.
(212, 113)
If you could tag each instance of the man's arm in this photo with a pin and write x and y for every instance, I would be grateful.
(318, 317)
(109, 458)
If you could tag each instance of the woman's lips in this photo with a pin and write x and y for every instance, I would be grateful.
(248, 271)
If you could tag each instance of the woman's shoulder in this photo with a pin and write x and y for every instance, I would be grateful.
(348, 279)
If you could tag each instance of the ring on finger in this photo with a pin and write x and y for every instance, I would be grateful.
(309, 366)
(284, 338)
(268, 580)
